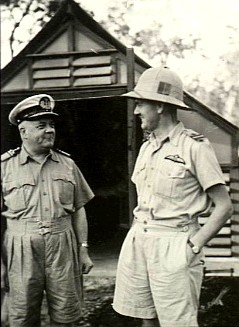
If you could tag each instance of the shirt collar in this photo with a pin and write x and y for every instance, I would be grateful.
(173, 135)
(176, 132)
(54, 156)
(24, 156)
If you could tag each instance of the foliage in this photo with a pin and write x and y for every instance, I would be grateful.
(223, 95)
(27, 17)
(221, 92)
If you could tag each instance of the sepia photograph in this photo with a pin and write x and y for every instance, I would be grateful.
(119, 163)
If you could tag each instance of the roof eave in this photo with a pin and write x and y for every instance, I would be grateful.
(68, 9)
(191, 101)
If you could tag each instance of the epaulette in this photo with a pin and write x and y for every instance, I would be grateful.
(10, 154)
(195, 135)
(63, 152)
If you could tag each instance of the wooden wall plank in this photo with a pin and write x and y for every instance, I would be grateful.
(89, 61)
(51, 73)
(45, 83)
(86, 71)
(222, 241)
(50, 63)
(217, 252)
(235, 217)
(101, 80)
(225, 231)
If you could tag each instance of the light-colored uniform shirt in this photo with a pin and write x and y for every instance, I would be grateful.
(43, 191)
(171, 177)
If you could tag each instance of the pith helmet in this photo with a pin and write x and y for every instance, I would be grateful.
(32, 107)
(159, 84)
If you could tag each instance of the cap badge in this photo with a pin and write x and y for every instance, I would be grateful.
(45, 103)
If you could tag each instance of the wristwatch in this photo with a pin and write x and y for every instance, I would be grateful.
(195, 248)
(84, 244)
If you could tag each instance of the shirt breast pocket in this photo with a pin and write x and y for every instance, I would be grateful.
(17, 193)
(63, 188)
(170, 182)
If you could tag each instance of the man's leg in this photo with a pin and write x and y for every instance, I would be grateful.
(150, 323)
(26, 280)
(64, 281)
(175, 283)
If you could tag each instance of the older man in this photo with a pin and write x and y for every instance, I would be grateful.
(44, 194)
(177, 178)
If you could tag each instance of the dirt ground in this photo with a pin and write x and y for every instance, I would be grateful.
(219, 302)
(219, 305)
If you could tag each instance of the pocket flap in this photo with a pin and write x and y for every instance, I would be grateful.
(17, 183)
(63, 177)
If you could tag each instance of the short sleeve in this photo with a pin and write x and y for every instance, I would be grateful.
(207, 168)
(139, 161)
(83, 192)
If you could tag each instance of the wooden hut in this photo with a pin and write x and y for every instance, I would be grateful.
(86, 70)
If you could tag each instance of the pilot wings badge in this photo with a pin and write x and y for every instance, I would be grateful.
(175, 158)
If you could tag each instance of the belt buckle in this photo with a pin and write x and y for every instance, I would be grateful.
(44, 229)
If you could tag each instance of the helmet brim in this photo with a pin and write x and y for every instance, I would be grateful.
(156, 97)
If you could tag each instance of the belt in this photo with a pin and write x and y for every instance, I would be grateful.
(156, 225)
(39, 227)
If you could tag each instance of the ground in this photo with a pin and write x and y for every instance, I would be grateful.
(219, 302)
(218, 306)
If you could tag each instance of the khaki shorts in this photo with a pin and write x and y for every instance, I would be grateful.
(154, 279)
(43, 263)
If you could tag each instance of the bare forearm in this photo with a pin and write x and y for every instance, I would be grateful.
(221, 213)
(212, 227)
(80, 225)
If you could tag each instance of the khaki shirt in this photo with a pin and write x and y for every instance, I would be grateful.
(171, 177)
(49, 190)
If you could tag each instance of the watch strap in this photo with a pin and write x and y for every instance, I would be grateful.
(190, 243)
(194, 247)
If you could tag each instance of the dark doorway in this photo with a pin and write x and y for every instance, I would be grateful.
(94, 132)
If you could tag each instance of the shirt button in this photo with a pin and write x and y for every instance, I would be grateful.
(145, 230)
(43, 180)
(185, 228)
(149, 185)
(46, 209)
(145, 222)
(44, 193)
